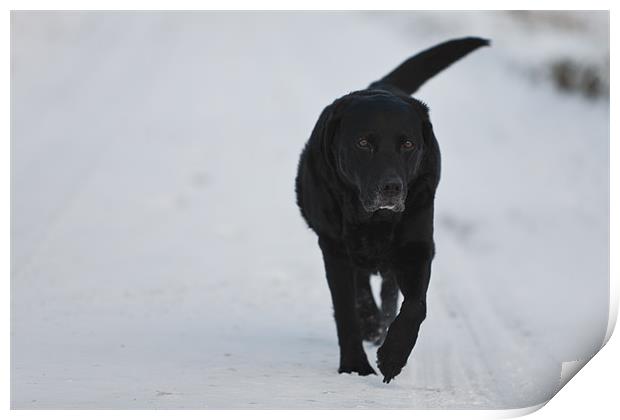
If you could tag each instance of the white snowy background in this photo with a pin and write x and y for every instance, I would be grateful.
(158, 257)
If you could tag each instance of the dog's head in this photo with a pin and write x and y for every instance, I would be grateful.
(375, 141)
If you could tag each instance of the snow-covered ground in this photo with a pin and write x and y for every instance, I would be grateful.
(158, 257)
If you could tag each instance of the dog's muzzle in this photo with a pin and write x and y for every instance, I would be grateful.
(395, 203)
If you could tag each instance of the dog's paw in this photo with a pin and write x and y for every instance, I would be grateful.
(362, 368)
(389, 362)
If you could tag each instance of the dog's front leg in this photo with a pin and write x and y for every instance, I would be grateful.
(341, 280)
(413, 275)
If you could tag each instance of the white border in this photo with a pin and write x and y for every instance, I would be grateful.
(594, 391)
(307, 5)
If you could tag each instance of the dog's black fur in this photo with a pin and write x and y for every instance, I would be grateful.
(366, 185)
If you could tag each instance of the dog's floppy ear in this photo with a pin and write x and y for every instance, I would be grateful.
(427, 127)
(322, 137)
(421, 109)
(431, 147)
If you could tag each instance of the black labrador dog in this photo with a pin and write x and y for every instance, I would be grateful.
(366, 185)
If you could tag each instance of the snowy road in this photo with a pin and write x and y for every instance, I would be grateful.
(158, 257)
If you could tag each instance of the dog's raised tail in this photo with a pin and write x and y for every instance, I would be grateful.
(410, 75)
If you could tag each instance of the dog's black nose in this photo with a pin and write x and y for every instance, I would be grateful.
(392, 187)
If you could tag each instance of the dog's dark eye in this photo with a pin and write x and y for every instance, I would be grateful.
(363, 144)
(407, 145)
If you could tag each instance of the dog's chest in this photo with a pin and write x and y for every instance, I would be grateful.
(370, 246)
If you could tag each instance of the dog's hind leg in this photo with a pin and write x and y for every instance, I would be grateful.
(371, 319)
(387, 314)
(389, 297)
